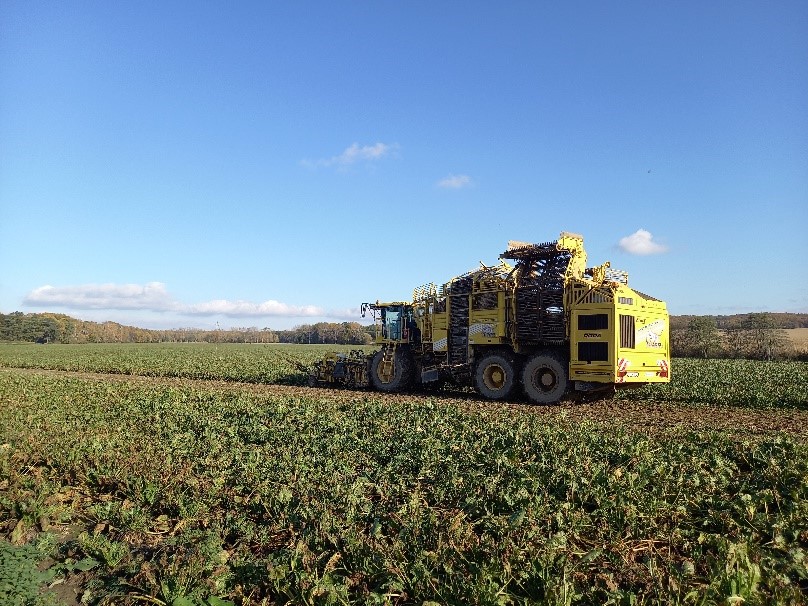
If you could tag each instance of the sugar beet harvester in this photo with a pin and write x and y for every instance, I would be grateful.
(539, 321)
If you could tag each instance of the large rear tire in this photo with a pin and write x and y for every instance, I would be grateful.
(545, 378)
(402, 372)
(495, 377)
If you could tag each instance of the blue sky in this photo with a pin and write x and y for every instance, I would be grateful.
(177, 164)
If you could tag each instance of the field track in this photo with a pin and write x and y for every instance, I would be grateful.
(644, 417)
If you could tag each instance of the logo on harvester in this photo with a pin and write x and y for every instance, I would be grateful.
(651, 333)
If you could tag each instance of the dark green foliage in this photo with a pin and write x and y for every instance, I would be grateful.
(20, 579)
(42, 328)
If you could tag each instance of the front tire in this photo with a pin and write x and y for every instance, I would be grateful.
(402, 371)
(545, 378)
(495, 377)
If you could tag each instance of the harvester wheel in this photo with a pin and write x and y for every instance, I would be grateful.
(545, 378)
(495, 377)
(401, 378)
(312, 380)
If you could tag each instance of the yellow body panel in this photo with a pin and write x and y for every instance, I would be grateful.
(439, 331)
(485, 327)
(623, 340)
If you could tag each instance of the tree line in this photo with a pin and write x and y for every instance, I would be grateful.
(345, 333)
(777, 320)
(759, 336)
(60, 328)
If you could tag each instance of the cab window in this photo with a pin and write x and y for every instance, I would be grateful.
(391, 323)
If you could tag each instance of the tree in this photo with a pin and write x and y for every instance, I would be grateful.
(702, 335)
(764, 338)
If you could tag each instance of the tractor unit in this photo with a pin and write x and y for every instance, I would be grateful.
(538, 322)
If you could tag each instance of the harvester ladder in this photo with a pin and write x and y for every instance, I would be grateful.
(388, 364)
(427, 334)
(425, 298)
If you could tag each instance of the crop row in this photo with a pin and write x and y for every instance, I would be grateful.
(721, 382)
(187, 492)
(283, 364)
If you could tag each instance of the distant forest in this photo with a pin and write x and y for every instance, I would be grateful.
(60, 328)
(778, 320)
(757, 335)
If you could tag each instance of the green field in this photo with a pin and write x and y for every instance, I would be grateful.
(204, 474)
(744, 383)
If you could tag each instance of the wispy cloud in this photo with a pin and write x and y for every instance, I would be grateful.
(352, 314)
(455, 182)
(155, 297)
(355, 154)
(246, 309)
(641, 242)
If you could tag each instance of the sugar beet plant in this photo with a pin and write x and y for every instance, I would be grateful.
(192, 494)
(281, 364)
(747, 383)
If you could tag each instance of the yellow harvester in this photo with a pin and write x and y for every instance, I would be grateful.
(539, 321)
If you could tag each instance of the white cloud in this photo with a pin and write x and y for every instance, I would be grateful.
(354, 154)
(455, 182)
(641, 242)
(103, 296)
(154, 297)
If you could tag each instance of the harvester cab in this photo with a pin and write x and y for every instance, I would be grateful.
(389, 369)
(392, 368)
(395, 322)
